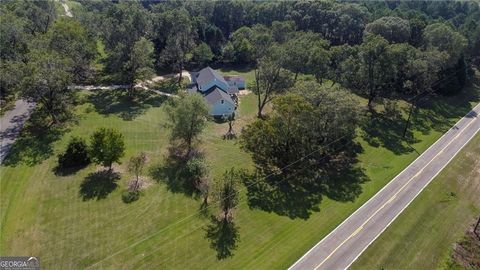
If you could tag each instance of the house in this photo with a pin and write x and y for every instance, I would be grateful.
(221, 104)
(208, 78)
(235, 81)
(219, 92)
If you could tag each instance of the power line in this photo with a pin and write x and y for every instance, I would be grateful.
(215, 203)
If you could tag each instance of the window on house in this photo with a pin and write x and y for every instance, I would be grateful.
(222, 101)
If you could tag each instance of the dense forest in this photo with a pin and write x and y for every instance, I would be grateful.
(375, 48)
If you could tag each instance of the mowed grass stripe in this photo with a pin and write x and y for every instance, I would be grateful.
(103, 227)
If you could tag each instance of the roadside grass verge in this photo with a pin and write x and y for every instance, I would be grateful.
(423, 235)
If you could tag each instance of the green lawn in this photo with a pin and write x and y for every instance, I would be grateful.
(44, 215)
(423, 236)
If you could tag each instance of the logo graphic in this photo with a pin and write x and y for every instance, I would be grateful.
(19, 263)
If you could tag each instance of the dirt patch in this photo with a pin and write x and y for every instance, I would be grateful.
(143, 183)
(244, 92)
(466, 253)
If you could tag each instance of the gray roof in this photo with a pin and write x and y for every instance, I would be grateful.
(234, 78)
(217, 95)
(232, 90)
(208, 74)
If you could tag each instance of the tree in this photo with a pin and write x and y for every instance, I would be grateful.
(314, 121)
(214, 38)
(197, 171)
(179, 41)
(39, 15)
(46, 82)
(270, 78)
(375, 72)
(282, 30)
(70, 39)
(123, 24)
(106, 147)
(76, 154)
(442, 37)
(227, 194)
(230, 133)
(135, 166)
(11, 76)
(298, 51)
(228, 52)
(421, 73)
(393, 29)
(13, 43)
(318, 62)
(337, 71)
(261, 40)
(202, 54)
(188, 118)
(349, 23)
(140, 66)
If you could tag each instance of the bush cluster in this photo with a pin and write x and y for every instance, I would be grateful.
(75, 155)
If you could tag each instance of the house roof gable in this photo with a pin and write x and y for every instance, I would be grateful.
(216, 95)
(207, 75)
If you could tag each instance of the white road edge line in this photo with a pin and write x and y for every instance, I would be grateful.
(431, 179)
(391, 181)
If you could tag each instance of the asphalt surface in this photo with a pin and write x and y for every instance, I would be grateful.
(11, 123)
(345, 244)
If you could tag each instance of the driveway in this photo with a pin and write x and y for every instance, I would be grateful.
(11, 123)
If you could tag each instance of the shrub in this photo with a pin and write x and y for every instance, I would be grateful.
(75, 155)
(130, 196)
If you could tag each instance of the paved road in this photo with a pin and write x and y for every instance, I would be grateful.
(343, 246)
(11, 123)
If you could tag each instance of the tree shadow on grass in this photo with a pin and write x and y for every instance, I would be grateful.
(223, 236)
(386, 130)
(97, 185)
(298, 196)
(34, 143)
(66, 171)
(441, 113)
(169, 85)
(119, 103)
(173, 173)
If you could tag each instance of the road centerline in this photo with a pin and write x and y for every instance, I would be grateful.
(395, 194)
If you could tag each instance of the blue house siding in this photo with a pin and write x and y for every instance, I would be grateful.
(225, 108)
(240, 84)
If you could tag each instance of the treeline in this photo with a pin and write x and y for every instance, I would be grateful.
(375, 48)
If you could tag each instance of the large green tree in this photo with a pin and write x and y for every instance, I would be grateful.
(69, 38)
(202, 54)
(123, 24)
(298, 51)
(107, 146)
(393, 29)
(375, 71)
(271, 78)
(312, 122)
(188, 118)
(140, 66)
(46, 82)
(442, 37)
(227, 194)
(179, 42)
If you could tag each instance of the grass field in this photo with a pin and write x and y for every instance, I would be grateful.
(423, 236)
(47, 216)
